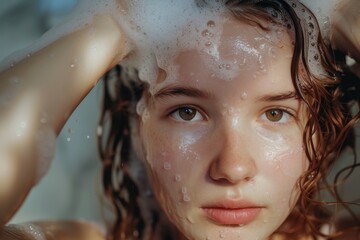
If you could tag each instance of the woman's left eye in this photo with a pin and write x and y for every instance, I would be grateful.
(276, 115)
(186, 114)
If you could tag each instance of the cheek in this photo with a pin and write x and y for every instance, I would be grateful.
(282, 159)
(169, 155)
(285, 160)
(281, 153)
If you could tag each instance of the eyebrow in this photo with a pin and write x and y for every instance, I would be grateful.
(183, 91)
(173, 91)
(279, 97)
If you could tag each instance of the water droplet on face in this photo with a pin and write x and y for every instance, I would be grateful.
(211, 24)
(87, 137)
(261, 60)
(244, 96)
(178, 177)
(69, 130)
(316, 57)
(222, 234)
(205, 33)
(68, 139)
(167, 166)
(186, 198)
(184, 190)
(208, 44)
(72, 65)
(294, 5)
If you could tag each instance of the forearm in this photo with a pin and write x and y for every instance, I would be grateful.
(41, 92)
(64, 72)
(59, 230)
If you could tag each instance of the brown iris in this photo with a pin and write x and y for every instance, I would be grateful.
(274, 115)
(187, 113)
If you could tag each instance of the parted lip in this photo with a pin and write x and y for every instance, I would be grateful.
(232, 212)
(232, 204)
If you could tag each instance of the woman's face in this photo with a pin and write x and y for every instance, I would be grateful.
(223, 142)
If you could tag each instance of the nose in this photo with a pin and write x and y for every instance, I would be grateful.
(233, 162)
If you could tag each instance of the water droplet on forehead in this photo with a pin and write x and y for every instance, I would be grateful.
(205, 33)
(208, 44)
(211, 23)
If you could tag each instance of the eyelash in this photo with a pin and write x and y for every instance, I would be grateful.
(285, 113)
(198, 114)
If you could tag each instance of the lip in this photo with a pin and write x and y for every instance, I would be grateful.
(231, 212)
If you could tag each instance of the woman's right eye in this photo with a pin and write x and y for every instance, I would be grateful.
(186, 114)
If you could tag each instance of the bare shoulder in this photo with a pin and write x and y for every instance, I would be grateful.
(51, 230)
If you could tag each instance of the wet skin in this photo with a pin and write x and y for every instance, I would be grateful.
(224, 153)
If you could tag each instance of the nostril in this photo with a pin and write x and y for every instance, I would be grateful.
(248, 179)
(221, 181)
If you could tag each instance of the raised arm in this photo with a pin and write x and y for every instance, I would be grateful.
(38, 94)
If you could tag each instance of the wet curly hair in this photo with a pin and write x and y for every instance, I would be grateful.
(330, 96)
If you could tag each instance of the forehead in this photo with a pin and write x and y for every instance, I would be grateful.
(247, 59)
(242, 50)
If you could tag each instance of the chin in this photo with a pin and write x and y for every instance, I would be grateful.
(210, 231)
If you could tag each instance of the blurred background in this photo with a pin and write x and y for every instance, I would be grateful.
(71, 188)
